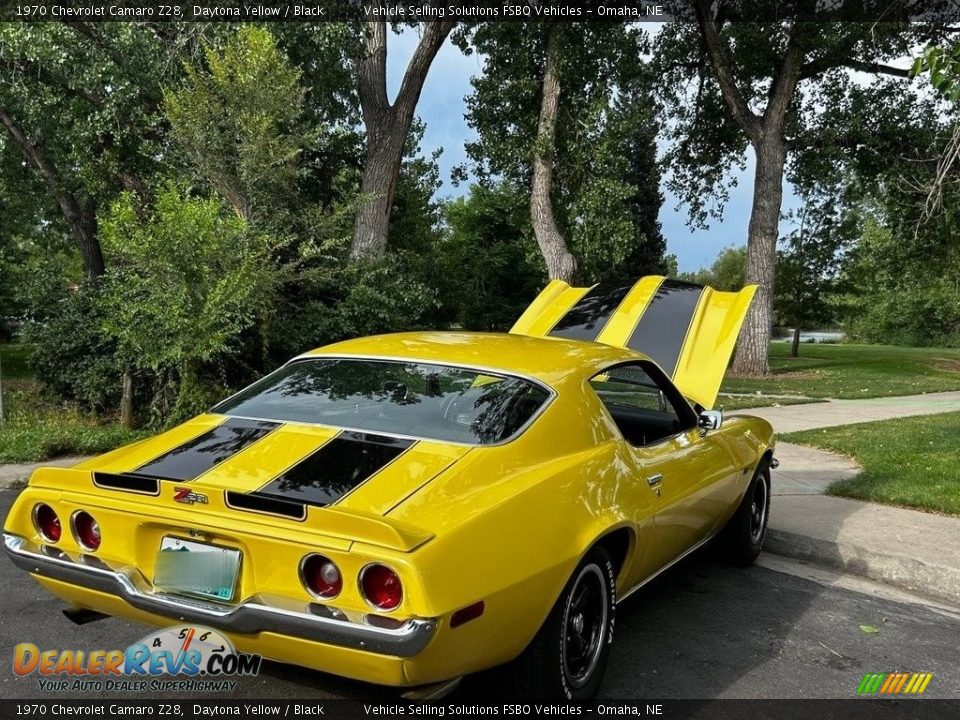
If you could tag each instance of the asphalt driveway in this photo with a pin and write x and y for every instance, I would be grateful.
(703, 630)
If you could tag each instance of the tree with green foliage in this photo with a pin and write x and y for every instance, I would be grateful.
(783, 89)
(728, 271)
(185, 281)
(239, 121)
(492, 271)
(81, 101)
(564, 111)
(808, 267)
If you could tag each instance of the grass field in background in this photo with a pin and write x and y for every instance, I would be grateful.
(908, 461)
(38, 428)
(854, 371)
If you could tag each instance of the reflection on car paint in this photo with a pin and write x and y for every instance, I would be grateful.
(336, 468)
(586, 318)
(193, 458)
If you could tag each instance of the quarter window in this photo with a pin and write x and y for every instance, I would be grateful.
(646, 410)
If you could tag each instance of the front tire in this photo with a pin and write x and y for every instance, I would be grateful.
(742, 539)
(567, 658)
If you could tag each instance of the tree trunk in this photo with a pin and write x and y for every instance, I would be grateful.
(795, 346)
(561, 264)
(751, 358)
(80, 217)
(378, 188)
(126, 400)
(387, 127)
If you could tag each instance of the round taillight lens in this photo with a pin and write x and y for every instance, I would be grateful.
(47, 522)
(321, 576)
(86, 530)
(381, 587)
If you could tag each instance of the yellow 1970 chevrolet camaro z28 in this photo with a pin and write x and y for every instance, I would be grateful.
(406, 509)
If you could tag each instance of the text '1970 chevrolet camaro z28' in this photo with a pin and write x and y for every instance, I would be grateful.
(406, 509)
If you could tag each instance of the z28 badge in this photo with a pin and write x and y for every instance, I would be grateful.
(185, 495)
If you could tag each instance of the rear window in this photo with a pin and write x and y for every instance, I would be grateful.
(435, 402)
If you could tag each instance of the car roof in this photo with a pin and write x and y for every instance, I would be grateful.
(550, 360)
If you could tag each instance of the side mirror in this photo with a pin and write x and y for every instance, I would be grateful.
(710, 420)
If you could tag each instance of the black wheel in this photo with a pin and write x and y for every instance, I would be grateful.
(742, 539)
(567, 658)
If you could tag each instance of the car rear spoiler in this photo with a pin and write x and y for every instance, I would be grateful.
(340, 523)
(689, 330)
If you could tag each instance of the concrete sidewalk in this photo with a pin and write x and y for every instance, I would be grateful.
(792, 418)
(14, 474)
(910, 549)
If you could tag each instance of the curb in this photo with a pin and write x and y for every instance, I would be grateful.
(15, 475)
(909, 573)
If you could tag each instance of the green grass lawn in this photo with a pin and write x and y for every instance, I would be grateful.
(38, 428)
(910, 461)
(752, 401)
(854, 371)
(13, 361)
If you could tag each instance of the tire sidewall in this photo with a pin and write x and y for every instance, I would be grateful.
(602, 561)
(761, 476)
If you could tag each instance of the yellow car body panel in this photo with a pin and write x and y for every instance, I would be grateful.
(694, 354)
(504, 524)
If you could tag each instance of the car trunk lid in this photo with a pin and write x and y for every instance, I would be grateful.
(688, 329)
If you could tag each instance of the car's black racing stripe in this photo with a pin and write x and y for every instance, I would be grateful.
(663, 327)
(335, 469)
(197, 456)
(586, 319)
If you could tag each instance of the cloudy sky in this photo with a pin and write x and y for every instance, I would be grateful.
(442, 108)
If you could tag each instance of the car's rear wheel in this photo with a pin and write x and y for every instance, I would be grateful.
(567, 658)
(742, 539)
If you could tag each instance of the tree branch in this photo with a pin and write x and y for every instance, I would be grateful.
(29, 67)
(785, 83)
(434, 35)
(720, 61)
(372, 73)
(81, 218)
(816, 67)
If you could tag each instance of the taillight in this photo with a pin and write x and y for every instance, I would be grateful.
(86, 530)
(381, 587)
(47, 522)
(321, 576)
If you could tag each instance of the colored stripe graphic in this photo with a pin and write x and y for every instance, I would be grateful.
(894, 683)
(335, 469)
(662, 329)
(194, 458)
(587, 318)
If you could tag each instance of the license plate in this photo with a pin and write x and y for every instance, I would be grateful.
(194, 568)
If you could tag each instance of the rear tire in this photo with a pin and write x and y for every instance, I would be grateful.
(567, 657)
(742, 539)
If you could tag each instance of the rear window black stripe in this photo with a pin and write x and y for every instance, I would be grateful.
(588, 316)
(195, 457)
(336, 468)
(127, 483)
(256, 502)
(663, 327)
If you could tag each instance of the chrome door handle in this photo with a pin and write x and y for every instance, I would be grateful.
(654, 479)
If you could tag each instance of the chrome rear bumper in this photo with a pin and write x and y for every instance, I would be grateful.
(310, 621)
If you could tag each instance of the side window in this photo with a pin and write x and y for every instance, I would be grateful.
(645, 411)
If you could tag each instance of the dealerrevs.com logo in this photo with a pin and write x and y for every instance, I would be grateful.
(206, 658)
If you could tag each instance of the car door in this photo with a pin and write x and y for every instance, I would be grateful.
(683, 470)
